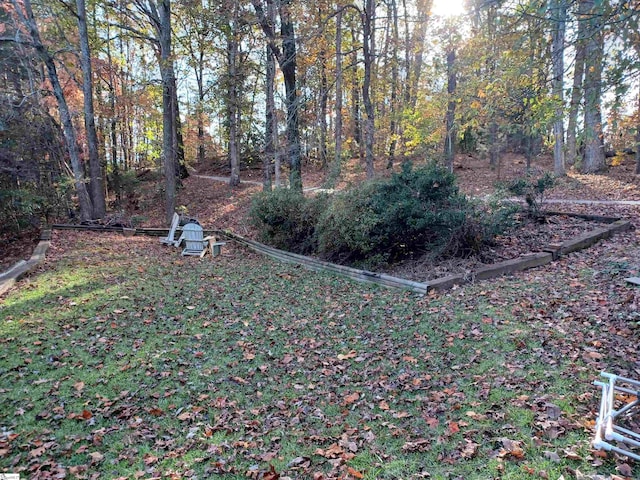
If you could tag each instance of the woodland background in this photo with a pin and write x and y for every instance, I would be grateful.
(95, 94)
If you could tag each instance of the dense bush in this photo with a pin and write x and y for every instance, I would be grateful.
(32, 204)
(415, 211)
(19, 208)
(286, 219)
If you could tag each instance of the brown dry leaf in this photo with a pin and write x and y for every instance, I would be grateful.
(470, 449)
(184, 416)
(420, 445)
(351, 354)
(36, 452)
(512, 448)
(571, 455)
(383, 405)
(333, 451)
(625, 470)
(96, 457)
(475, 416)
(402, 414)
(351, 398)
(453, 427)
(553, 456)
(432, 422)
(354, 473)
(78, 386)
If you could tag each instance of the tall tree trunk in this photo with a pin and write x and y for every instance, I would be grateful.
(494, 149)
(337, 161)
(232, 107)
(558, 10)
(594, 159)
(450, 134)
(269, 150)
(287, 62)
(200, 108)
(576, 95)
(96, 184)
(423, 7)
(271, 123)
(168, 109)
(638, 136)
(324, 94)
(125, 109)
(28, 20)
(113, 125)
(288, 68)
(393, 125)
(368, 46)
(181, 166)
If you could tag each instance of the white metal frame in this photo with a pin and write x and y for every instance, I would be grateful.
(606, 429)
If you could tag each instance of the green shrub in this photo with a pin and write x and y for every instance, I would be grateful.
(483, 222)
(350, 228)
(286, 219)
(532, 188)
(416, 210)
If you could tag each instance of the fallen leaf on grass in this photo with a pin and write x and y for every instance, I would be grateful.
(510, 448)
(351, 398)
(333, 451)
(453, 428)
(96, 457)
(470, 449)
(553, 456)
(256, 474)
(625, 469)
(420, 445)
(351, 354)
(304, 462)
(354, 473)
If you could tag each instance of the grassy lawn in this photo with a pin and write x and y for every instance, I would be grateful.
(123, 360)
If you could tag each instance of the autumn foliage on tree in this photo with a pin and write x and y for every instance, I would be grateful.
(288, 84)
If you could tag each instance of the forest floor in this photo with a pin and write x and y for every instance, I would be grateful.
(122, 359)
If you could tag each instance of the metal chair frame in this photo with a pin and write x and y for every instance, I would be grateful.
(606, 429)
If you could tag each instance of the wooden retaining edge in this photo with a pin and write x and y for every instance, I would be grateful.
(584, 216)
(590, 238)
(320, 265)
(151, 232)
(550, 253)
(9, 278)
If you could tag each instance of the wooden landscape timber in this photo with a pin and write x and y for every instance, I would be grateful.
(547, 254)
(9, 278)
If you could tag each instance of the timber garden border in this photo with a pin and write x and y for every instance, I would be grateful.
(548, 254)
